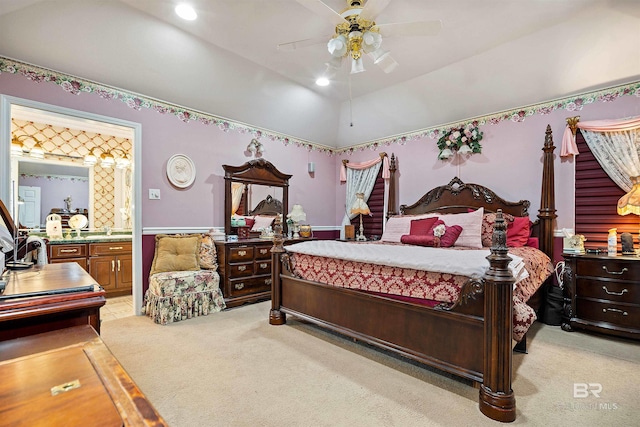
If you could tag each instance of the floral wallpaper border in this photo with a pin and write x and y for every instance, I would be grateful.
(56, 177)
(76, 86)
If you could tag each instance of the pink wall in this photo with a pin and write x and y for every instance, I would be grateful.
(510, 163)
(202, 204)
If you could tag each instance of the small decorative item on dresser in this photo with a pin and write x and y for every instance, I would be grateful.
(349, 232)
(305, 231)
(626, 239)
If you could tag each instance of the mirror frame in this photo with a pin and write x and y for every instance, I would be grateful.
(258, 171)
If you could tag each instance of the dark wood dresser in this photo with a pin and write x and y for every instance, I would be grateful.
(245, 269)
(602, 294)
(49, 297)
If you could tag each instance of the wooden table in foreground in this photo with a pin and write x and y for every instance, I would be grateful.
(68, 378)
(49, 297)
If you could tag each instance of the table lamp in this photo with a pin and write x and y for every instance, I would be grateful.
(630, 202)
(360, 207)
(296, 215)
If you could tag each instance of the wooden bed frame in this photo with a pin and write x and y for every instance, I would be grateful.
(472, 338)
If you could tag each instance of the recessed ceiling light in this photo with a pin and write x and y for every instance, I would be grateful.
(185, 11)
(322, 81)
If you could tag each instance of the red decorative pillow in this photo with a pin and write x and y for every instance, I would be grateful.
(518, 232)
(418, 239)
(422, 226)
(450, 236)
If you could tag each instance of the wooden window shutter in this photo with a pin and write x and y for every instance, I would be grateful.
(596, 200)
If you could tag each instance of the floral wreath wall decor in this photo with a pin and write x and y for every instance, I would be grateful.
(463, 140)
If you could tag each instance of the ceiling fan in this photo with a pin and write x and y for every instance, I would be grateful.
(356, 34)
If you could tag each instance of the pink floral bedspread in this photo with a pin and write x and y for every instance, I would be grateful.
(424, 285)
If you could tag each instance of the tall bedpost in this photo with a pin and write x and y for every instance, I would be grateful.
(497, 400)
(547, 212)
(391, 203)
(276, 317)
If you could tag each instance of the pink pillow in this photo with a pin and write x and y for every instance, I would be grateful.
(398, 226)
(518, 232)
(471, 224)
(262, 222)
(422, 226)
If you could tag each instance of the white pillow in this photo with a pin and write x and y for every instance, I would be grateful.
(262, 222)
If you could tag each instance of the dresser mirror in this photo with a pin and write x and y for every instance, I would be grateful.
(258, 188)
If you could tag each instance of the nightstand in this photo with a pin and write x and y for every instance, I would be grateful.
(602, 294)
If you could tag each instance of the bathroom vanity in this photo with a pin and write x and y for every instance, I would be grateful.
(107, 258)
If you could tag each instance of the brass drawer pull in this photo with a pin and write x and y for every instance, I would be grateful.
(242, 268)
(115, 248)
(239, 286)
(242, 253)
(604, 267)
(68, 251)
(62, 388)
(263, 265)
(264, 251)
(614, 293)
(624, 313)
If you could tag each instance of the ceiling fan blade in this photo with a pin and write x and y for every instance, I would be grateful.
(304, 43)
(320, 8)
(421, 28)
(372, 8)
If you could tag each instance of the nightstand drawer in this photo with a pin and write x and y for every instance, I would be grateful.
(616, 314)
(250, 285)
(615, 291)
(240, 270)
(608, 268)
(263, 252)
(242, 253)
(263, 267)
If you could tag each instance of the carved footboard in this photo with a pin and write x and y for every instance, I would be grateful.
(456, 341)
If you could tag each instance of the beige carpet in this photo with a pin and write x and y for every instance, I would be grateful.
(234, 369)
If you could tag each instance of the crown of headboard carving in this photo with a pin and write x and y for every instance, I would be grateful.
(458, 196)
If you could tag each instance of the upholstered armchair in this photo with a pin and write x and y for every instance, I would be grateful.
(183, 282)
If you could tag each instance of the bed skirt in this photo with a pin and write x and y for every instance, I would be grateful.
(176, 296)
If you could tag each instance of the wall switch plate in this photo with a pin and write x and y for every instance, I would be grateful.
(154, 194)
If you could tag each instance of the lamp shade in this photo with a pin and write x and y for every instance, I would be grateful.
(630, 202)
(360, 206)
(297, 214)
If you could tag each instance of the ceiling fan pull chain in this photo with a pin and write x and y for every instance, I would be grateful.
(350, 105)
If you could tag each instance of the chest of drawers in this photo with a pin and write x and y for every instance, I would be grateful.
(602, 294)
(245, 270)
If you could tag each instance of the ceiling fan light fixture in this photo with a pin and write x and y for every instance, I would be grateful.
(337, 46)
(322, 81)
(382, 58)
(371, 41)
(357, 66)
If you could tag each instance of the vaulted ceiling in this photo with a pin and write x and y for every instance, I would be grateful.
(490, 56)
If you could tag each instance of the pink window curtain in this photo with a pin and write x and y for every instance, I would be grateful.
(366, 165)
(569, 147)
